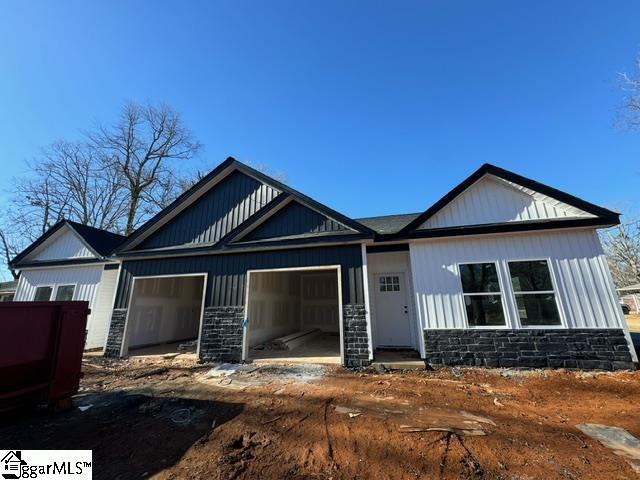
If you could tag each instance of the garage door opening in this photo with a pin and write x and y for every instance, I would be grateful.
(294, 316)
(164, 315)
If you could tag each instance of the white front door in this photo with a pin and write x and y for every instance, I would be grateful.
(393, 325)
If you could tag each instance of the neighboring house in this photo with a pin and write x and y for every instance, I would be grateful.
(630, 295)
(8, 290)
(502, 271)
(70, 262)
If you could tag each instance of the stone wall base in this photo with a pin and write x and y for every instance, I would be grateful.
(221, 337)
(356, 336)
(116, 333)
(605, 349)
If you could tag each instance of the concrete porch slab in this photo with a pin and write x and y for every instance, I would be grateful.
(398, 360)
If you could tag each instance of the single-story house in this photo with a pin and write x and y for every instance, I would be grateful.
(71, 262)
(8, 290)
(501, 271)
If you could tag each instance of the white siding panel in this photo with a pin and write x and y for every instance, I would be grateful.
(584, 289)
(62, 245)
(101, 312)
(493, 200)
(86, 280)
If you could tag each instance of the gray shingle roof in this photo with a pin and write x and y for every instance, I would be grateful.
(388, 223)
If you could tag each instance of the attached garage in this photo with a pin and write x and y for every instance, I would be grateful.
(294, 314)
(165, 311)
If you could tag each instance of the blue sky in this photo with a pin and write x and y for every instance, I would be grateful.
(370, 107)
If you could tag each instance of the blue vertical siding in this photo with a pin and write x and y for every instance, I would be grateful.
(227, 272)
(294, 219)
(216, 213)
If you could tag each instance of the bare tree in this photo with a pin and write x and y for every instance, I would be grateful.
(622, 247)
(93, 192)
(628, 116)
(141, 147)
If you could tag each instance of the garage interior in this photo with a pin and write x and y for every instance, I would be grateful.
(164, 315)
(294, 317)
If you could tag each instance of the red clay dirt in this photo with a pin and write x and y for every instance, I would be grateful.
(169, 419)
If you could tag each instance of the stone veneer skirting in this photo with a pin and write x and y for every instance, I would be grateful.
(605, 349)
(116, 333)
(356, 336)
(221, 338)
(222, 331)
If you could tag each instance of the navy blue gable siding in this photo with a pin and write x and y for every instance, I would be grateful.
(294, 219)
(221, 209)
(227, 272)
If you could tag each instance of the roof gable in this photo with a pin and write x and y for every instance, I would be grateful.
(69, 241)
(64, 244)
(497, 197)
(214, 214)
(495, 200)
(291, 220)
(238, 221)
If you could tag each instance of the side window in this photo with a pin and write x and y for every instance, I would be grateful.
(43, 294)
(533, 289)
(482, 295)
(64, 293)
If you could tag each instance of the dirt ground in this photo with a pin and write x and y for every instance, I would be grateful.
(174, 419)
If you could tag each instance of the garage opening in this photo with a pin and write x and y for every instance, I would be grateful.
(293, 316)
(164, 315)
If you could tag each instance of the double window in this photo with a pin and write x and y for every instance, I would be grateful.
(535, 297)
(64, 293)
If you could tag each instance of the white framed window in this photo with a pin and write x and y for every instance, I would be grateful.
(536, 299)
(43, 293)
(64, 293)
(389, 283)
(482, 294)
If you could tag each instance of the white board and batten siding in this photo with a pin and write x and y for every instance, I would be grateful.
(64, 245)
(494, 200)
(92, 284)
(583, 285)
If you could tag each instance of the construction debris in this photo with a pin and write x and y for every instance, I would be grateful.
(291, 341)
(617, 439)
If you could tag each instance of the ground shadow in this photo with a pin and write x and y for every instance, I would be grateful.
(132, 436)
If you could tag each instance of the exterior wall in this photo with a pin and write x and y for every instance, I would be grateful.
(586, 298)
(356, 337)
(227, 272)
(87, 280)
(493, 200)
(64, 245)
(604, 349)
(225, 206)
(225, 293)
(294, 219)
(391, 262)
(98, 322)
(583, 286)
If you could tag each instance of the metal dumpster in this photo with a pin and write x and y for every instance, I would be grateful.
(41, 345)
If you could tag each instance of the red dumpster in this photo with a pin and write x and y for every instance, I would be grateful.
(41, 345)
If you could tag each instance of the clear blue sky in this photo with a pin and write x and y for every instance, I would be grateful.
(370, 107)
